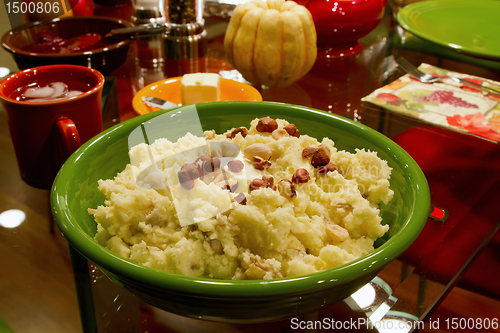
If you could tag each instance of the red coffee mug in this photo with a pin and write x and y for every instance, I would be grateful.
(45, 133)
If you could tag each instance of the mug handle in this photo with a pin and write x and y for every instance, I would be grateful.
(69, 138)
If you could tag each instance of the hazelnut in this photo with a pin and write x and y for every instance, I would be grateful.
(202, 158)
(309, 151)
(216, 245)
(231, 185)
(260, 163)
(200, 170)
(300, 176)
(188, 184)
(242, 130)
(211, 164)
(324, 148)
(257, 183)
(286, 188)
(320, 158)
(259, 150)
(241, 198)
(269, 180)
(279, 133)
(235, 166)
(191, 169)
(292, 130)
(267, 125)
(188, 171)
(327, 168)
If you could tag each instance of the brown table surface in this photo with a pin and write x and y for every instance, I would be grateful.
(37, 288)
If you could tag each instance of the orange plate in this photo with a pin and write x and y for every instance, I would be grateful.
(170, 90)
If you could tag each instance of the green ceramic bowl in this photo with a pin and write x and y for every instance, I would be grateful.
(75, 190)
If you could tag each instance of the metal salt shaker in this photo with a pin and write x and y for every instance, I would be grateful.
(186, 38)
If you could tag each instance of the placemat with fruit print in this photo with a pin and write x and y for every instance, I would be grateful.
(448, 104)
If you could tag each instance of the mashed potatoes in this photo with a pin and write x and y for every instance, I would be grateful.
(298, 206)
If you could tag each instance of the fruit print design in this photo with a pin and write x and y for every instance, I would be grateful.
(457, 107)
(446, 97)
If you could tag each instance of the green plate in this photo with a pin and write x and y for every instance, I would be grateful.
(469, 27)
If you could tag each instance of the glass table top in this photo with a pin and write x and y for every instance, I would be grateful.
(462, 171)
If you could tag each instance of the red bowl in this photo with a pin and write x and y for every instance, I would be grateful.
(104, 59)
(340, 23)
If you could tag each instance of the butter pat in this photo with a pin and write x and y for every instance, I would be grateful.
(200, 87)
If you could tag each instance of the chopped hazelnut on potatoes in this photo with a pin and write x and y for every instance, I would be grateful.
(242, 130)
(292, 130)
(301, 176)
(266, 124)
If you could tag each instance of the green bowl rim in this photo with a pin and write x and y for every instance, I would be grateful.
(180, 284)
